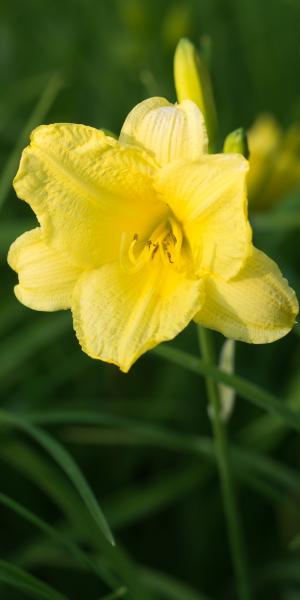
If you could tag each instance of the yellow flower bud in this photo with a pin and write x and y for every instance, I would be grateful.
(274, 162)
(237, 142)
(192, 82)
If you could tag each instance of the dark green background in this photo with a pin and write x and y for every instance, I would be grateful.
(164, 507)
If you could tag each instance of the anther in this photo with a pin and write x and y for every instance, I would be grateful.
(156, 246)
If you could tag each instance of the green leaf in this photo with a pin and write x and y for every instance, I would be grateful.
(276, 221)
(38, 114)
(21, 90)
(48, 478)
(56, 536)
(268, 431)
(30, 585)
(29, 339)
(130, 506)
(119, 593)
(169, 588)
(279, 571)
(67, 464)
(295, 543)
(244, 388)
(245, 462)
(10, 315)
(10, 229)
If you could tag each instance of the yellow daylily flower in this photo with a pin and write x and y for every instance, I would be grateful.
(138, 236)
(274, 162)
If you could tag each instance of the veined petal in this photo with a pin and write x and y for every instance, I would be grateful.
(258, 306)
(208, 197)
(119, 316)
(46, 277)
(86, 190)
(167, 131)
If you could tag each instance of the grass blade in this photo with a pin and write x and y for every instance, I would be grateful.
(28, 340)
(245, 461)
(60, 539)
(10, 229)
(38, 114)
(27, 583)
(276, 221)
(244, 388)
(136, 503)
(67, 464)
(46, 476)
(119, 593)
(169, 588)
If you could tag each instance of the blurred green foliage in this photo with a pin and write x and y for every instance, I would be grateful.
(90, 62)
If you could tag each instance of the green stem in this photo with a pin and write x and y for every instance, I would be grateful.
(236, 539)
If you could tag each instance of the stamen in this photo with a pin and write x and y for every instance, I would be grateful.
(177, 238)
(156, 246)
(166, 239)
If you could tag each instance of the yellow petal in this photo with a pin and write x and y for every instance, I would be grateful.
(169, 132)
(119, 316)
(46, 277)
(86, 190)
(257, 306)
(209, 197)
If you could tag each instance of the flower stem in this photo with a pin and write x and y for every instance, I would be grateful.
(234, 526)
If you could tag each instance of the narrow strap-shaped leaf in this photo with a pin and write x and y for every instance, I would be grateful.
(170, 588)
(38, 114)
(66, 462)
(10, 229)
(250, 467)
(295, 543)
(28, 340)
(58, 537)
(277, 221)
(27, 583)
(119, 593)
(245, 460)
(279, 572)
(244, 388)
(50, 479)
(135, 503)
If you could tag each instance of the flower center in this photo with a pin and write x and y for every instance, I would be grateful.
(166, 244)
